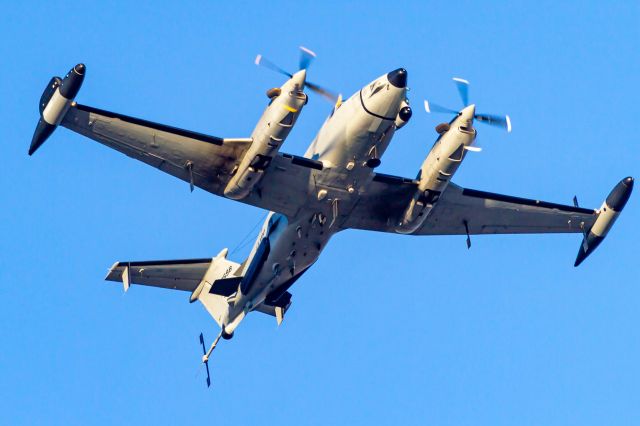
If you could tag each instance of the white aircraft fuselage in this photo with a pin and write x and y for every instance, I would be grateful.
(349, 145)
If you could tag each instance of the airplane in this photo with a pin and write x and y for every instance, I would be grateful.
(331, 188)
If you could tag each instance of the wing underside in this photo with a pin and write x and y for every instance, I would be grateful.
(461, 210)
(190, 156)
(203, 161)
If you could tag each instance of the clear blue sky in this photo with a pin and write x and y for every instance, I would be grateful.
(385, 329)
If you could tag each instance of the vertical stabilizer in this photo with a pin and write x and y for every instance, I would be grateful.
(217, 305)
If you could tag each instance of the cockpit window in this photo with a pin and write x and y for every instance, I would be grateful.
(375, 89)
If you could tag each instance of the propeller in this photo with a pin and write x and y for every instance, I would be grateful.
(306, 58)
(206, 363)
(502, 121)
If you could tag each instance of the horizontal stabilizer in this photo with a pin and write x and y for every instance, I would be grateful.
(225, 286)
(182, 275)
(276, 308)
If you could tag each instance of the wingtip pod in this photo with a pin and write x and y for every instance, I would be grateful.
(55, 101)
(40, 135)
(607, 215)
(620, 194)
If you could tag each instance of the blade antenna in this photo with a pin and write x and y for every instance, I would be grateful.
(466, 228)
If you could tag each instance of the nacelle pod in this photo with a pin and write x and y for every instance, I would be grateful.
(437, 169)
(404, 115)
(607, 216)
(54, 104)
(270, 132)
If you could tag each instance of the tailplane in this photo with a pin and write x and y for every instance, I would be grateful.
(212, 281)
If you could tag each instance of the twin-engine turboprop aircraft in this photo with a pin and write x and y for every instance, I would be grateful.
(331, 188)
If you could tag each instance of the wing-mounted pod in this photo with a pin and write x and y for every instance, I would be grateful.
(285, 105)
(607, 216)
(274, 126)
(454, 140)
(404, 115)
(438, 168)
(54, 104)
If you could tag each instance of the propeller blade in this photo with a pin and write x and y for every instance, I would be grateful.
(325, 93)
(495, 120)
(262, 61)
(306, 57)
(463, 89)
(206, 363)
(431, 107)
(204, 348)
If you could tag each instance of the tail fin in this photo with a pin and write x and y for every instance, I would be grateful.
(218, 283)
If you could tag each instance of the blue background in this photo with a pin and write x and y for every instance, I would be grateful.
(385, 329)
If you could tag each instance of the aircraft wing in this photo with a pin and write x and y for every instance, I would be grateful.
(182, 275)
(485, 213)
(201, 160)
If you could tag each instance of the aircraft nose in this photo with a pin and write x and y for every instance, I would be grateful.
(398, 78)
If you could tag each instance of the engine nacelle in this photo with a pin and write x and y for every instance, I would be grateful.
(269, 134)
(437, 169)
(607, 216)
(54, 104)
